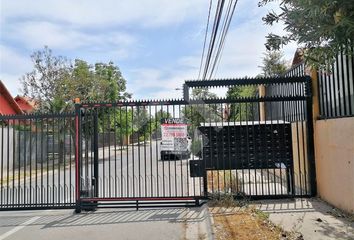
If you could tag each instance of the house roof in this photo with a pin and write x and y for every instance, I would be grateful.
(7, 96)
(27, 100)
(298, 57)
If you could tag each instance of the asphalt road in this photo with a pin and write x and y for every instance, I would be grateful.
(108, 224)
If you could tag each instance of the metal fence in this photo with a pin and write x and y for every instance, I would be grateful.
(36, 159)
(336, 88)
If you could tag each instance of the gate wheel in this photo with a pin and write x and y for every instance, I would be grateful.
(78, 209)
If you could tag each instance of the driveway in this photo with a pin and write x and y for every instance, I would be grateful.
(166, 223)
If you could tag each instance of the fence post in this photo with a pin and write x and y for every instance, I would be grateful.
(77, 154)
(95, 151)
(310, 137)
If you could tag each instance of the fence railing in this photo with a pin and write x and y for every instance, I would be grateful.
(36, 159)
(336, 88)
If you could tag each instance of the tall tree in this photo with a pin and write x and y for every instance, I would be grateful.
(55, 81)
(45, 82)
(273, 64)
(241, 111)
(322, 27)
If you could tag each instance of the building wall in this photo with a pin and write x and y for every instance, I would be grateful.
(334, 146)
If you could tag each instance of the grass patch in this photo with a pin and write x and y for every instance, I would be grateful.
(247, 223)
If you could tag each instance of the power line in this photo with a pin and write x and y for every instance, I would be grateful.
(217, 18)
(223, 39)
(217, 38)
(205, 38)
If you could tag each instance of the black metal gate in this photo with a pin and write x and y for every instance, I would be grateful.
(256, 146)
(103, 154)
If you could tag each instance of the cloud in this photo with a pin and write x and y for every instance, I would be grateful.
(105, 13)
(12, 65)
(36, 34)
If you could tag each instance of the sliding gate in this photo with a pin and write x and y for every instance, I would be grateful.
(258, 146)
(256, 142)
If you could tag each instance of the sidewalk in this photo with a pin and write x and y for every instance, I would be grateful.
(313, 218)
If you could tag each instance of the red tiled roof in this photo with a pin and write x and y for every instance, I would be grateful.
(8, 104)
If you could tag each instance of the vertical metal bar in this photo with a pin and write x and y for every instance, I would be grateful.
(347, 56)
(272, 149)
(211, 152)
(254, 150)
(36, 160)
(138, 132)
(2, 162)
(150, 148)
(157, 158)
(335, 91)
(229, 147)
(8, 163)
(121, 149)
(70, 160)
(95, 153)
(59, 155)
(247, 149)
(343, 83)
(175, 176)
(103, 178)
(241, 153)
(310, 140)
(42, 160)
(133, 155)
(304, 146)
(193, 113)
(127, 151)
(259, 142)
(146, 121)
(203, 161)
(222, 141)
(64, 186)
(64, 162)
(109, 151)
(25, 163)
(19, 164)
(53, 160)
(115, 150)
(77, 156)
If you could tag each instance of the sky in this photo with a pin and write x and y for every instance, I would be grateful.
(157, 44)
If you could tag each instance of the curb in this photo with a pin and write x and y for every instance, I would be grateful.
(209, 222)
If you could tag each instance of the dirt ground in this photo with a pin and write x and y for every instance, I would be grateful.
(246, 223)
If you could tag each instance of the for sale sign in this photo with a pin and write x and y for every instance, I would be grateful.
(174, 134)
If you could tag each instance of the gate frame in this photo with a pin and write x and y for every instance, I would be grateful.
(306, 80)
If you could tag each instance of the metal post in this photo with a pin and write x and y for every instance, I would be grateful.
(77, 154)
(310, 139)
(185, 92)
(95, 153)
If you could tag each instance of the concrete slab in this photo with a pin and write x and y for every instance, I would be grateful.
(313, 218)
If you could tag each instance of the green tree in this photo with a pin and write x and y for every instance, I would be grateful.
(54, 81)
(241, 111)
(322, 27)
(197, 114)
(45, 82)
(273, 64)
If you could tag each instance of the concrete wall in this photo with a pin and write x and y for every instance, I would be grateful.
(334, 145)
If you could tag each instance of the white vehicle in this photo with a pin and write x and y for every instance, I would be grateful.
(175, 142)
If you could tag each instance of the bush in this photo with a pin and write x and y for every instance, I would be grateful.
(196, 148)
